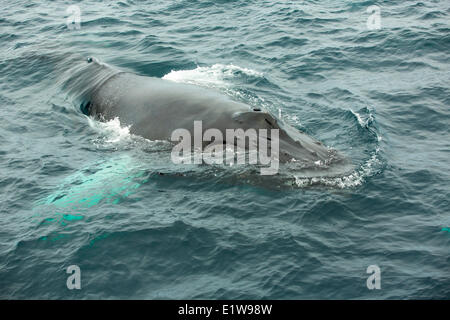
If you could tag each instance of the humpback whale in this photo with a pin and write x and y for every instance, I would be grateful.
(154, 108)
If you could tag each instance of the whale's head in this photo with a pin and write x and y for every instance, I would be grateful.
(294, 146)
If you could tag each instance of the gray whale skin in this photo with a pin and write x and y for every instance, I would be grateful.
(154, 108)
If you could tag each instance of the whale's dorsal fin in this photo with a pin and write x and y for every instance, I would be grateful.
(256, 120)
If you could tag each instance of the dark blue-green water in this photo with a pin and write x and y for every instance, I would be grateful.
(75, 191)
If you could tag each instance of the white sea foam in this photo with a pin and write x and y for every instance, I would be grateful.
(216, 75)
(112, 131)
(353, 179)
(364, 123)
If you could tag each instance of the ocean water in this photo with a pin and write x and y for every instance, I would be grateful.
(75, 191)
